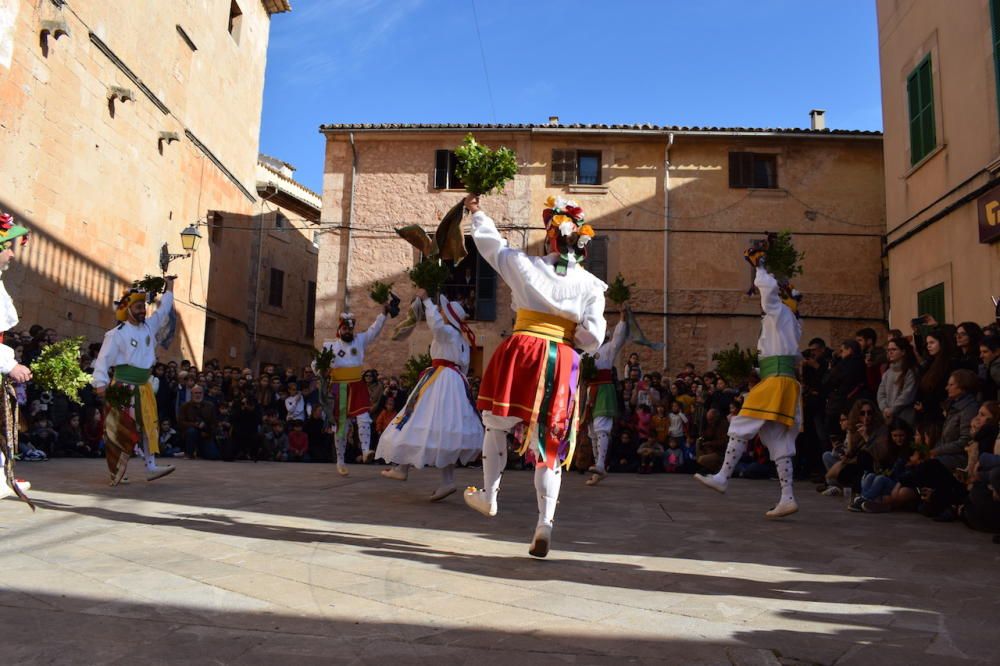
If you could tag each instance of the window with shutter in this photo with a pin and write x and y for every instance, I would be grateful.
(756, 170)
(445, 177)
(486, 291)
(597, 258)
(920, 97)
(930, 301)
(441, 169)
(310, 309)
(563, 167)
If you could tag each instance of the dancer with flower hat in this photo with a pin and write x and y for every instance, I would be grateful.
(352, 398)
(131, 420)
(12, 236)
(438, 425)
(533, 375)
(773, 407)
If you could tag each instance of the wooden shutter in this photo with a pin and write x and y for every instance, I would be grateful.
(740, 169)
(920, 96)
(597, 258)
(441, 169)
(454, 182)
(563, 167)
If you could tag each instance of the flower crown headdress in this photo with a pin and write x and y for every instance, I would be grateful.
(9, 230)
(564, 219)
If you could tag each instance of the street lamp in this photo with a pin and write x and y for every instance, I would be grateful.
(190, 238)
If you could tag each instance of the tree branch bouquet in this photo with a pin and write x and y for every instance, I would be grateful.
(57, 368)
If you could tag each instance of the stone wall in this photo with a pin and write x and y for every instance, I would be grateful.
(91, 176)
(830, 195)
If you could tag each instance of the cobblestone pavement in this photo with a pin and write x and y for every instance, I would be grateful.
(290, 564)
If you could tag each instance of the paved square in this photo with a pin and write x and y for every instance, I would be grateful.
(275, 563)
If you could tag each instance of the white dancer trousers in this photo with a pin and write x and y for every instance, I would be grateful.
(547, 481)
(364, 425)
(600, 434)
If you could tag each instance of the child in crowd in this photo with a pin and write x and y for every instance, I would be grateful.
(42, 436)
(623, 453)
(295, 404)
(71, 443)
(277, 441)
(93, 431)
(170, 440)
(678, 425)
(387, 414)
(673, 460)
(298, 443)
(661, 424)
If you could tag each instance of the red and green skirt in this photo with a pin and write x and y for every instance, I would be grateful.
(535, 379)
(350, 399)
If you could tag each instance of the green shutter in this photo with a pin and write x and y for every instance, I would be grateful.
(920, 96)
(931, 301)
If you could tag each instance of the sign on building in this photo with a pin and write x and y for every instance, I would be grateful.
(989, 216)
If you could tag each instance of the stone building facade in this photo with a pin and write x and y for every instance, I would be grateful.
(673, 208)
(262, 305)
(123, 123)
(941, 112)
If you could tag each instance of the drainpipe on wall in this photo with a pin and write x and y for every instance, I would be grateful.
(350, 223)
(666, 243)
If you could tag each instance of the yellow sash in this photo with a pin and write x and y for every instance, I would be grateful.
(346, 375)
(545, 326)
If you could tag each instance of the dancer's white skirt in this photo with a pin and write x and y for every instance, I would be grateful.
(443, 428)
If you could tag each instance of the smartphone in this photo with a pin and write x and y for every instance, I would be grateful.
(917, 321)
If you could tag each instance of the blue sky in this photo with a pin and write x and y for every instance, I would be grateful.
(763, 63)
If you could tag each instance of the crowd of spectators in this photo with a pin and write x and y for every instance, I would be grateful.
(908, 423)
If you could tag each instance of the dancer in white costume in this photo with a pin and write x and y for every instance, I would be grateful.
(438, 425)
(602, 400)
(11, 236)
(533, 375)
(353, 399)
(773, 408)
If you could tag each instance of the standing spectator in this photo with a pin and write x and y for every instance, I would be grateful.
(678, 426)
(845, 382)
(295, 404)
(246, 420)
(898, 388)
(320, 436)
(937, 366)
(968, 335)
(632, 364)
(989, 354)
(197, 420)
(661, 424)
(874, 356)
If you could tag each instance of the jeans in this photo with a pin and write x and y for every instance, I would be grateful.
(875, 486)
(829, 458)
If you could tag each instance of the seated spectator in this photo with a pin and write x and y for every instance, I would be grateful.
(42, 435)
(877, 485)
(755, 462)
(623, 454)
(864, 444)
(985, 440)
(71, 443)
(981, 510)
(711, 446)
(898, 388)
(674, 457)
(962, 408)
(170, 440)
(197, 420)
(277, 441)
(298, 443)
(93, 430)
